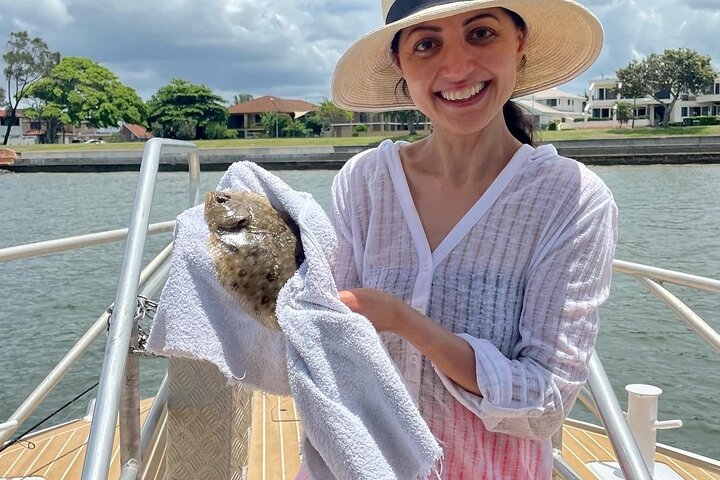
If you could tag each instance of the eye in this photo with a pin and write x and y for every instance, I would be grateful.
(481, 34)
(425, 44)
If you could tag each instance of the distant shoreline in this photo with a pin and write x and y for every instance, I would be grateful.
(625, 151)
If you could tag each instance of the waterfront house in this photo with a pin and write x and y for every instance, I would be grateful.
(135, 133)
(649, 111)
(380, 123)
(245, 116)
(553, 105)
(23, 131)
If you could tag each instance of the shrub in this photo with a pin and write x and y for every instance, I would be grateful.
(552, 126)
(707, 120)
(218, 131)
(116, 137)
(186, 129)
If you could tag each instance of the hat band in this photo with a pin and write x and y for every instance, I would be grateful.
(403, 8)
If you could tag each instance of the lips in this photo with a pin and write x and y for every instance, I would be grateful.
(464, 94)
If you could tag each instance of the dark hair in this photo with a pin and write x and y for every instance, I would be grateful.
(517, 120)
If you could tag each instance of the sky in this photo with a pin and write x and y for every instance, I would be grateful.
(288, 48)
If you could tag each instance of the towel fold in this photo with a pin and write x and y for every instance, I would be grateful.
(358, 419)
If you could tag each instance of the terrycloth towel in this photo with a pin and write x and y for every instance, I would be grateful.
(359, 420)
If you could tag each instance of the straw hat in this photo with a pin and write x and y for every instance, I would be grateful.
(563, 40)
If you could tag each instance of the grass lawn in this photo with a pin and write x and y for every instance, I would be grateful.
(234, 143)
(580, 134)
(627, 132)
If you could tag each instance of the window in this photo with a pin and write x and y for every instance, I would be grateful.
(716, 109)
(705, 111)
(603, 113)
(694, 111)
(684, 112)
(35, 125)
(602, 93)
(717, 89)
(552, 102)
(4, 121)
(641, 112)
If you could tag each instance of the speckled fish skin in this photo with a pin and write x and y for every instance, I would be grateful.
(255, 248)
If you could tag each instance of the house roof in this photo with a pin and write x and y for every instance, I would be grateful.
(18, 113)
(541, 109)
(273, 104)
(553, 93)
(138, 130)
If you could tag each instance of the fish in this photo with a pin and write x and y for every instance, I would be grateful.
(255, 247)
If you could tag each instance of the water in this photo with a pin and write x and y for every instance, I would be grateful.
(669, 217)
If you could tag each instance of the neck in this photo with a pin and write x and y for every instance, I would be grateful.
(460, 159)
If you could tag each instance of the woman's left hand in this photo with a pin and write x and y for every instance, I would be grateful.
(384, 311)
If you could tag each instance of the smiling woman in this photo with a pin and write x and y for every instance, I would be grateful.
(480, 259)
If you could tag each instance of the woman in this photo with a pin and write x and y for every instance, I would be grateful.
(481, 259)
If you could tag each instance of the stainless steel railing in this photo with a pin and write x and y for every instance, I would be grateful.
(601, 400)
(150, 280)
(114, 372)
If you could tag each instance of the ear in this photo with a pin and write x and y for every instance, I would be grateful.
(396, 62)
(522, 44)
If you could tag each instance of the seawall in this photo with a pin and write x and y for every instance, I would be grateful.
(625, 151)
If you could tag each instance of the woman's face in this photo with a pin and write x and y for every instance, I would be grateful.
(461, 70)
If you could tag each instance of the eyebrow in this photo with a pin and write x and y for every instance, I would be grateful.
(465, 23)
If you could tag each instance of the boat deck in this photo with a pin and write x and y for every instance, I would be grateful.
(274, 452)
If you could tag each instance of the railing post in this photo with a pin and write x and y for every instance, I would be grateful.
(622, 440)
(100, 441)
(130, 406)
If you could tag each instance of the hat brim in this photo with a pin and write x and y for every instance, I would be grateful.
(564, 39)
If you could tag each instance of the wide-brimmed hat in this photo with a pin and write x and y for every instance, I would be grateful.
(563, 40)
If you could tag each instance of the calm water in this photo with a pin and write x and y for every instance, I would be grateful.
(669, 217)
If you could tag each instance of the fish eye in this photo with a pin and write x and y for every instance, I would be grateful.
(222, 198)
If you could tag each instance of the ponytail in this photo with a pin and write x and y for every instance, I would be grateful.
(519, 122)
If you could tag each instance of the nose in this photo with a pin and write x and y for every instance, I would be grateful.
(458, 61)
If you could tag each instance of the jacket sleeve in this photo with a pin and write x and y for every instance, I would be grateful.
(531, 393)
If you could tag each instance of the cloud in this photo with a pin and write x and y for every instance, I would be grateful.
(711, 5)
(637, 28)
(289, 47)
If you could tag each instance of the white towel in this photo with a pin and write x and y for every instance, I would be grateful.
(358, 419)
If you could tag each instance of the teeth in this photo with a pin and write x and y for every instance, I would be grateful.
(462, 94)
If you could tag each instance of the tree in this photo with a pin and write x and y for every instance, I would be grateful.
(275, 123)
(676, 72)
(296, 128)
(312, 123)
(329, 113)
(624, 111)
(241, 98)
(632, 83)
(79, 91)
(405, 117)
(51, 115)
(26, 62)
(180, 101)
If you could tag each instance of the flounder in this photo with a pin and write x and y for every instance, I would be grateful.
(255, 247)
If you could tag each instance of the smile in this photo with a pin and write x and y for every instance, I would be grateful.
(464, 94)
